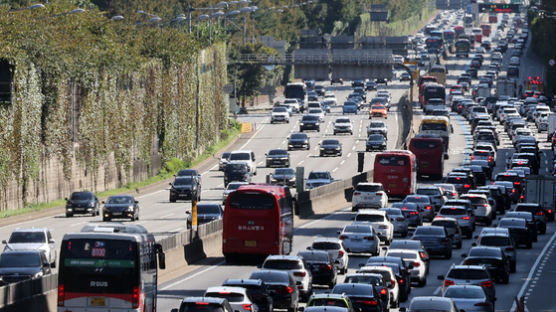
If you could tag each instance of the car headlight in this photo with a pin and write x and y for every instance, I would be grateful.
(301, 123)
(322, 148)
(130, 208)
(38, 275)
(91, 205)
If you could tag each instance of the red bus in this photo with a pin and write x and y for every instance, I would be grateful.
(258, 221)
(429, 151)
(397, 171)
(432, 90)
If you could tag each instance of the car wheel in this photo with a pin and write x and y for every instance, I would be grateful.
(512, 267)
(423, 282)
(105, 218)
(69, 214)
(448, 255)
(53, 264)
(172, 199)
(543, 230)
(308, 147)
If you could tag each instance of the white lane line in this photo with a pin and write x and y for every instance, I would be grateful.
(260, 163)
(533, 269)
(342, 162)
(151, 194)
(299, 163)
(335, 169)
(167, 215)
(176, 229)
(349, 155)
(78, 223)
(437, 291)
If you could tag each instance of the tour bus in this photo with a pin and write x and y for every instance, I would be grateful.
(108, 271)
(296, 90)
(486, 29)
(463, 47)
(432, 90)
(460, 30)
(397, 171)
(440, 72)
(258, 221)
(429, 151)
(434, 45)
(439, 125)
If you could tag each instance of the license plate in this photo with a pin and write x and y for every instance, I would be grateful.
(98, 302)
(116, 213)
(356, 239)
(391, 184)
(250, 243)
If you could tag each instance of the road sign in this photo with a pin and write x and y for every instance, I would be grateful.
(246, 127)
(498, 8)
(409, 62)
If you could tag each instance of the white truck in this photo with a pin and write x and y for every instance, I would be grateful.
(540, 189)
(551, 126)
(505, 87)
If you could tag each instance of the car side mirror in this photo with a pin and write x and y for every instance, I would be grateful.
(4, 241)
(170, 184)
(188, 212)
(298, 283)
(161, 256)
(473, 244)
(102, 202)
(66, 199)
(51, 241)
(464, 255)
(136, 201)
(174, 310)
(339, 232)
(440, 277)
(309, 248)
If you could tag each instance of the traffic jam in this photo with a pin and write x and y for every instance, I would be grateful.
(415, 212)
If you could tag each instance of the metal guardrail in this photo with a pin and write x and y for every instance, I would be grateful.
(293, 59)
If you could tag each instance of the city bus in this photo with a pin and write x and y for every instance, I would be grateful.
(108, 271)
(440, 72)
(430, 91)
(397, 171)
(434, 45)
(439, 125)
(463, 47)
(296, 90)
(429, 151)
(258, 221)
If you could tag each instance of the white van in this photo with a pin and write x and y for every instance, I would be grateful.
(244, 156)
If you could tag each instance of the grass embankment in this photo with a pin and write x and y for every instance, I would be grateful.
(170, 168)
(398, 28)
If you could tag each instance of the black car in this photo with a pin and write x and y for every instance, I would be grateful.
(236, 172)
(364, 297)
(309, 122)
(298, 140)
(187, 187)
(402, 270)
(205, 304)
(330, 147)
(538, 213)
(493, 258)
(120, 206)
(374, 279)
(19, 265)
(336, 80)
(82, 203)
(322, 267)
(282, 287)
(319, 89)
(277, 158)
(518, 231)
(283, 176)
(435, 239)
(370, 85)
(357, 83)
(463, 183)
(375, 142)
(257, 291)
(381, 80)
(206, 212)
(529, 221)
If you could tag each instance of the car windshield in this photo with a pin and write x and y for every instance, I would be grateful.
(330, 142)
(377, 125)
(309, 118)
(183, 180)
(495, 241)
(234, 186)
(433, 126)
(467, 292)
(325, 245)
(416, 199)
(334, 302)
(81, 196)
(403, 255)
(284, 171)
(318, 175)
(427, 191)
(282, 265)
(357, 229)
(314, 256)
(240, 156)
(429, 231)
(364, 279)
(200, 307)
(343, 120)
(15, 260)
(484, 252)
(208, 209)
(272, 277)
(27, 237)
(452, 211)
(299, 136)
(279, 110)
(468, 274)
(376, 137)
(120, 200)
(278, 152)
(232, 297)
(368, 188)
(512, 223)
(369, 218)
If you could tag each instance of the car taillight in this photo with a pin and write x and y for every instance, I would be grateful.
(247, 307)
(423, 255)
(393, 281)
(369, 237)
(466, 185)
(428, 207)
(383, 291)
(61, 295)
(513, 190)
(326, 267)
(485, 205)
(517, 183)
(489, 158)
(135, 297)
(454, 194)
(343, 236)
(482, 304)
(368, 302)
(356, 193)
(414, 213)
(521, 197)
(302, 273)
(340, 253)
(444, 240)
(416, 264)
(487, 284)
(473, 157)
(465, 217)
(448, 283)
(402, 281)
(539, 213)
(286, 290)
(549, 210)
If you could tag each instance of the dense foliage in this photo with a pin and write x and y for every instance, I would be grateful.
(92, 90)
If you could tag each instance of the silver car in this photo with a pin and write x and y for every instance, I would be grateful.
(499, 237)
(469, 298)
(398, 219)
(33, 239)
(413, 260)
(232, 186)
(435, 194)
(424, 203)
(465, 219)
(431, 303)
(237, 297)
(360, 238)
(411, 213)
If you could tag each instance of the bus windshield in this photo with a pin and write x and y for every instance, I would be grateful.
(251, 201)
(433, 126)
(426, 145)
(99, 266)
(392, 160)
(294, 91)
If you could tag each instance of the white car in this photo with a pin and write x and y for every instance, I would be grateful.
(33, 239)
(316, 112)
(385, 94)
(412, 257)
(232, 186)
(335, 249)
(343, 125)
(297, 266)
(377, 126)
(279, 114)
(237, 297)
(542, 122)
(390, 278)
(293, 104)
(244, 156)
(380, 222)
(329, 95)
(398, 219)
(369, 195)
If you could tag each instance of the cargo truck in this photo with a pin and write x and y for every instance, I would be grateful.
(505, 87)
(540, 189)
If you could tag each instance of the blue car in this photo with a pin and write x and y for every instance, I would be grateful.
(349, 108)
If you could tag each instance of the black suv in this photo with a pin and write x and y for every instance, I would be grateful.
(277, 158)
(186, 187)
(236, 172)
(256, 290)
(82, 203)
(309, 122)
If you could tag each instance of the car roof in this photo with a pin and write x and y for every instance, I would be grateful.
(214, 300)
(30, 230)
(247, 281)
(284, 257)
(226, 289)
